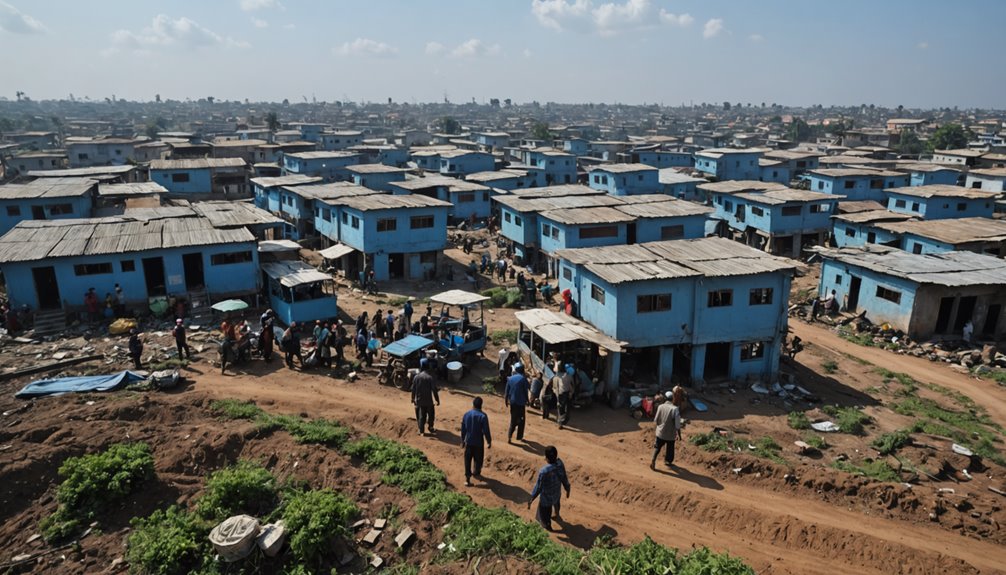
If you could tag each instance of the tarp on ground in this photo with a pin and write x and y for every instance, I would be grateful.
(77, 384)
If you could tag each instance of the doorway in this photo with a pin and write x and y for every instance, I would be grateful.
(717, 364)
(194, 276)
(965, 310)
(943, 316)
(396, 266)
(153, 273)
(992, 320)
(630, 234)
(38, 212)
(46, 288)
(682, 368)
(854, 284)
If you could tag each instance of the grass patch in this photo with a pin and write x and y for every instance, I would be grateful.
(502, 336)
(402, 465)
(864, 339)
(710, 441)
(167, 542)
(234, 409)
(967, 427)
(815, 441)
(171, 363)
(849, 419)
(441, 503)
(93, 484)
(318, 431)
(767, 448)
(798, 420)
(890, 443)
(314, 518)
(830, 366)
(311, 431)
(502, 297)
(245, 487)
(856, 359)
(908, 383)
(873, 469)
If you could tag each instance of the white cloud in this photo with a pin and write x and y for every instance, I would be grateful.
(260, 23)
(474, 48)
(434, 48)
(253, 5)
(922, 45)
(756, 38)
(17, 22)
(167, 31)
(712, 28)
(367, 47)
(606, 18)
(682, 20)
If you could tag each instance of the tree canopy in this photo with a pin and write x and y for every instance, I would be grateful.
(540, 131)
(949, 137)
(449, 125)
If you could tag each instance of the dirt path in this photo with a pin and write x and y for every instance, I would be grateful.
(615, 493)
(987, 394)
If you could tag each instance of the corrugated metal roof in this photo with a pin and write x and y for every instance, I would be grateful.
(616, 273)
(375, 169)
(332, 191)
(555, 191)
(560, 328)
(336, 251)
(594, 215)
(672, 176)
(458, 297)
(872, 216)
(950, 269)
(943, 191)
(48, 188)
(197, 164)
(848, 172)
(234, 214)
(665, 209)
(787, 196)
(859, 206)
(389, 202)
(623, 168)
(290, 180)
(39, 239)
(133, 189)
(952, 231)
(492, 176)
(321, 155)
(294, 273)
(738, 186)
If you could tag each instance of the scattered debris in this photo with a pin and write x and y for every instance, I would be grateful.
(825, 426)
(371, 537)
(234, 539)
(404, 537)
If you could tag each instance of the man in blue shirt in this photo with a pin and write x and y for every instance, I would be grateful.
(515, 397)
(475, 437)
(551, 478)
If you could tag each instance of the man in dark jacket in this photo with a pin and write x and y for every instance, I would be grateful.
(515, 396)
(424, 392)
(475, 437)
(180, 343)
(135, 348)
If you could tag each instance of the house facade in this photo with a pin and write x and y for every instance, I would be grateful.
(936, 202)
(730, 163)
(376, 176)
(625, 179)
(227, 177)
(987, 180)
(462, 162)
(46, 199)
(332, 166)
(979, 235)
(779, 221)
(856, 184)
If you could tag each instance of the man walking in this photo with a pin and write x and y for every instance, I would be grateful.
(135, 348)
(516, 397)
(291, 345)
(668, 430)
(321, 344)
(424, 392)
(564, 394)
(180, 343)
(475, 438)
(407, 312)
(548, 488)
(266, 337)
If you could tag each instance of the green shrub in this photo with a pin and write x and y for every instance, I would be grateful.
(711, 441)
(497, 297)
(767, 448)
(168, 542)
(874, 469)
(815, 441)
(702, 561)
(91, 483)
(235, 409)
(440, 503)
(890, 443)
(798, 420)
(644, 558)
(849, 419)
(313, 518)
(318, 431)
(245, 487)
(402, 465)
(501, 336)
(830, 366)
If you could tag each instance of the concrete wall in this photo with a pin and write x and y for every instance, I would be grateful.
(937, 208)
(80, 207)
(200, 181)
(838, 276)
(625, 184)
(857, 188)
(477, 202)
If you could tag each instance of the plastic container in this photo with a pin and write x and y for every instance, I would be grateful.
(455, 370)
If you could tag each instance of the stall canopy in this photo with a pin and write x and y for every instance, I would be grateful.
(458, 297)
(335, 252)
(294, 273)
(560, 328)
(407, 345)
(273, 246)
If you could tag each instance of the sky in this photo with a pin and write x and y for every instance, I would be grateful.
(915, 53)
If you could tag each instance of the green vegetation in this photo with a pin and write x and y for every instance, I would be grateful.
(874, 469)
(865, 339)
(970, 428)
(909, 385)
(798, 420)
(856, 359)
(710, 441)
(93, 483)
(397, 301)
(441, 503)
(245, 487)
(767, 448)
(314, 518)
(502, 297)
(890, 443)
(234, 409)
(402, 465)
(849, 419)
(311, 431)
(949, 137)
(815, 441)
(830, 366)
(167, 542)
(503, 336)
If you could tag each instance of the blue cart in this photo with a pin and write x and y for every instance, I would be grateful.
(461, 327)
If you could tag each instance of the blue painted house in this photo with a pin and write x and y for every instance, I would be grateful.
(462, 162)
(680, 185)
(300, 206)
(299, 292)
(857, 227)
(979, 235)
(505, 179)
(336, 140)
(657, 157)
(625, 179)
(467, 199)
(51, 264)
(926, 296)
(268, 190)
(46, 199)
(779, 221)
(328, 165)
(376, 176)
(576, 146)
(554, 167)
(222, 177)
(687, 310)
(730, 163)
(401, 236)
(382, 154)
(936, 202)
(797, 162)
(774, 171)
(856, 184)
(492, 141)
(928, 174)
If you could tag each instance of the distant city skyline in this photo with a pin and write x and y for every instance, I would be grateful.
(919, 54)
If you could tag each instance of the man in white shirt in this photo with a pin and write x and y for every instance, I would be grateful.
(668, 430)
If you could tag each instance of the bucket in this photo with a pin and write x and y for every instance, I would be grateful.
(454, 371)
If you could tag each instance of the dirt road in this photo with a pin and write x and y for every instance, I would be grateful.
(614, 491)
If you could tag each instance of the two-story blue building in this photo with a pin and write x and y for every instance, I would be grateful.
(781, 221)
(301, 206)
(926, 296)
(856, 184)
(774, 171)
(937, 202)
(553, 167)
(688, 310)
(680, 185)
(268, 190)
(220, 177)
(467, 199)
(328, 165)
(654, 155)
(625, 179)
(462, 162)
(336, 140)
(979, 235)
(856, 224)
(730, 163)
(51, 264)
(400, 236)
(797, 162)
(492, 141)
(46, 199)
(377, 176)
(576, 146)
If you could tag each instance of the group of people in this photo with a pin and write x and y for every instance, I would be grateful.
(114, 305)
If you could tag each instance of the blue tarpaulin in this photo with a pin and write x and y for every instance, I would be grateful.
(407, 345)
(77, 384)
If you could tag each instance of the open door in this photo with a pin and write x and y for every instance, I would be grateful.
(153, 274)
(853, 301)
(717, 361)
(46, 288)
(396, 266)
(965, 309)
(943, 316)
(630, 235)
(992, 320)
(194, 276)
